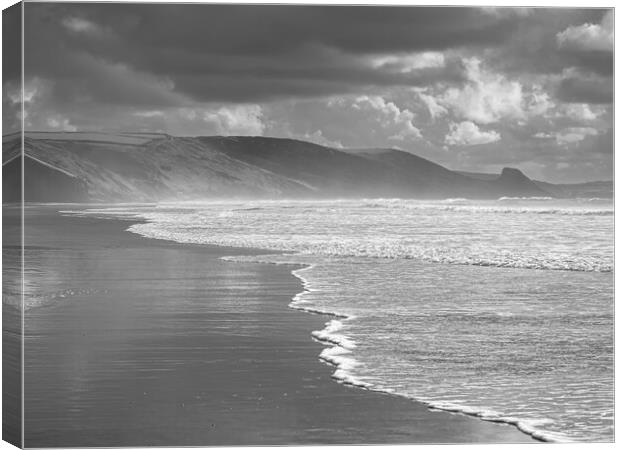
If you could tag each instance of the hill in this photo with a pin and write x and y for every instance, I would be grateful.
(135, 167)
(592, 189)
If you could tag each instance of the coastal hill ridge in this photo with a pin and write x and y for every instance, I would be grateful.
(150, 167)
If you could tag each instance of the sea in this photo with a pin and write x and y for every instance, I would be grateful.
(499, 309)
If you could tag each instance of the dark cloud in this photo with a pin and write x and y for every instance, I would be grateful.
(248, 53)
(230, 83)
(11, 47)
(11, 68)
(262, 52)
(585, 90)
(301, 70)
(265, 29)
(534, 46)
(597, 62)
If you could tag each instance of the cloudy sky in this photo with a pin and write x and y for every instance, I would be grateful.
(471, 88)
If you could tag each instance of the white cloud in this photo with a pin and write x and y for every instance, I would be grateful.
(468, 133)
(408, 62)
(486, 98)
(81, 25)
(149, 113)
(568, 135)
(542, 135)
(353, 121)
(12, 92)
(237, 120)
(589, 36)
(434, 108)
(60, 123)
(336, 101)
(39, 113)
(581, 112)
(574, 134)
(389, 116)
(538, 102)
(33, 88)
(196, 120)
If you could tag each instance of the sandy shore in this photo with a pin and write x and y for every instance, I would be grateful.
(11, 326)
(142, 342)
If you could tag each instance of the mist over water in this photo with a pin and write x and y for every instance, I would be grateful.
(503, 309)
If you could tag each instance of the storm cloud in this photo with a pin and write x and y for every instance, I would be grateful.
(439, 81)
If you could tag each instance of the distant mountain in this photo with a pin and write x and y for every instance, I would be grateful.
(592, 189)
(336, 173)
(135, 167)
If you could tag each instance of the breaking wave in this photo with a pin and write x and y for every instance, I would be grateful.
(342, 353)
(562, 235)
(495, 332)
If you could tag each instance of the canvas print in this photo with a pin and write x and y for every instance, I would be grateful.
(234, 224)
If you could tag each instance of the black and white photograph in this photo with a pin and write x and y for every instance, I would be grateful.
(295, 224)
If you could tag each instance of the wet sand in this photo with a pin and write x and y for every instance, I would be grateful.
(140, 342)
(11, 325)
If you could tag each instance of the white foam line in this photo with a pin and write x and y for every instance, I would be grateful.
(149, 228)
(334, 356)
(340, 346)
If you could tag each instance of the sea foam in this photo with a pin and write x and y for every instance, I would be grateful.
(449, 334)
(352, 366)
(562, 235)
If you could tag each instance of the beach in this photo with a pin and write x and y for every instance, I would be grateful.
(132, 341)
(11, 326)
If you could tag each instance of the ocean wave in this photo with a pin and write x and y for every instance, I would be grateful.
(475, 256)
(463, 206)
(534, 199)
(593, 199)
(340, 347)
(370, 237)
(481, 234)
(517, 210)
(341, 350)
(456, 200)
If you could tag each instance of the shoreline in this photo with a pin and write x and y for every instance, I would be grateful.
(337, 363)
(333, 413)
